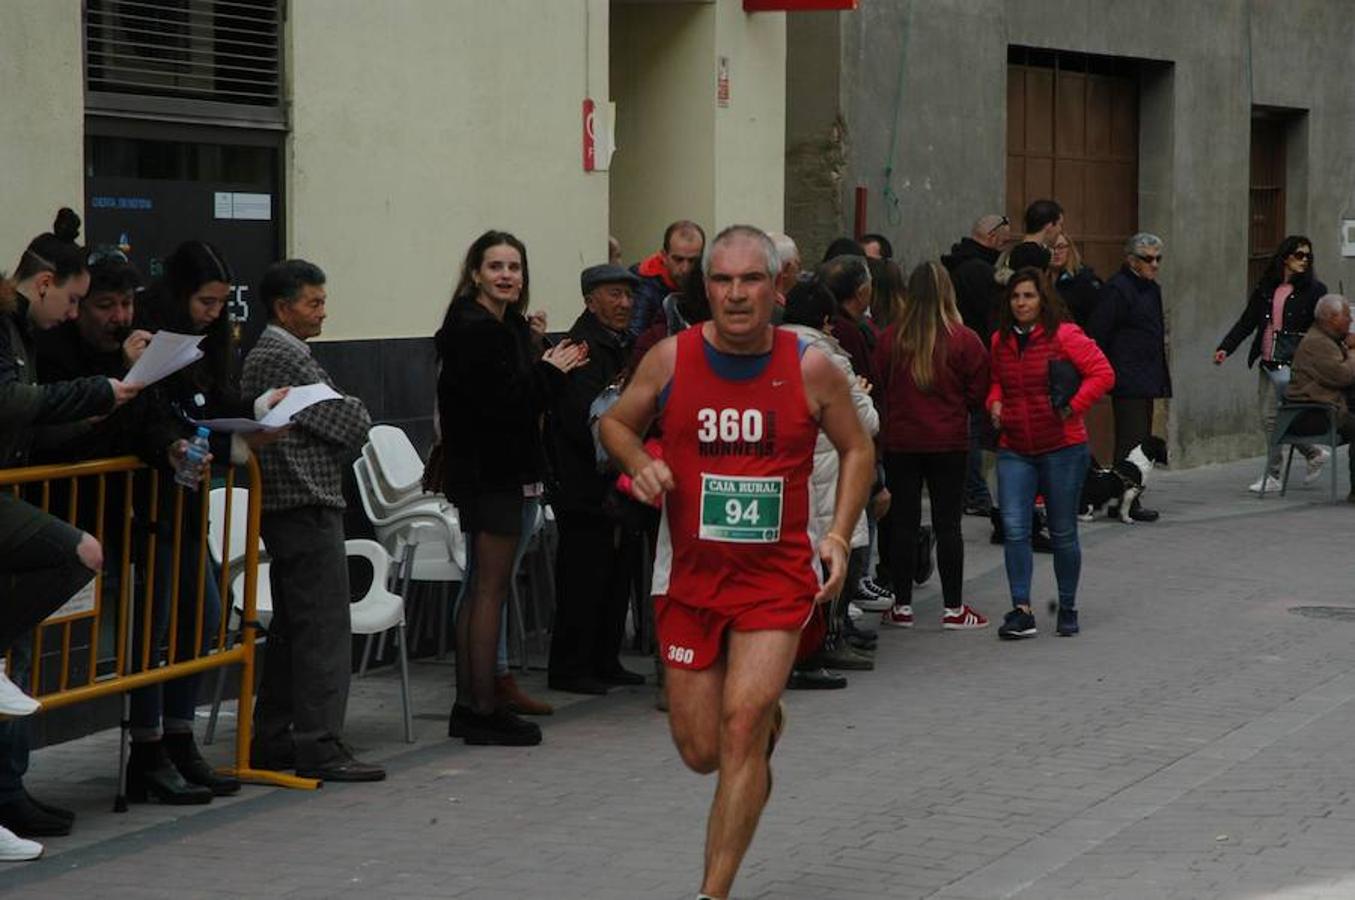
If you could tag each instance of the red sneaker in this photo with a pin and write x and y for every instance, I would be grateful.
(963, 619)
(898, 616)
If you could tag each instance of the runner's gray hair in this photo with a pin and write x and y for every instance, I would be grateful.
(744, 232)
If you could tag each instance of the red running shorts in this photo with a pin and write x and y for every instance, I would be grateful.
(692, 637)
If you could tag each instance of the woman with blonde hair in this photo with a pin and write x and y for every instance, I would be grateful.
(1076, 284)
(933, 371)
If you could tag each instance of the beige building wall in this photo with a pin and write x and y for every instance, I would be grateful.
(750, 133)
(416, 125)
(679, 153)
(42, 99)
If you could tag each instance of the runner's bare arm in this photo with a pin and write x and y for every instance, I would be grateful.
(830, 400)
(623, 427)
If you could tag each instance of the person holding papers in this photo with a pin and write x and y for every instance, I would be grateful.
(184, 308)
(303, 697)
(43, 560)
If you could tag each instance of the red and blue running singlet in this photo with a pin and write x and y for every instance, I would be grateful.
(735, 529)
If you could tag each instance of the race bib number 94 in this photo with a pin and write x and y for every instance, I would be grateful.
(741, 510)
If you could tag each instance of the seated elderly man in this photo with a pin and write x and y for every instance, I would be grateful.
(1324, 369)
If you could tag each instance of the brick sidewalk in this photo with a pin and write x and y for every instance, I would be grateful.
(1196, 741)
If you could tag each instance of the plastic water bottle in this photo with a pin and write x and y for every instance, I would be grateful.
(190, 470)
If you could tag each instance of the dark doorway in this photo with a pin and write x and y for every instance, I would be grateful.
(1267, 220)
(148, 192)
(1073, 135)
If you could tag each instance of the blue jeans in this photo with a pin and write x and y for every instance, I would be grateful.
(530, 505)
(1058, 476)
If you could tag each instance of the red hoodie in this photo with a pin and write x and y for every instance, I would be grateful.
(654, 265)
(1030, 426)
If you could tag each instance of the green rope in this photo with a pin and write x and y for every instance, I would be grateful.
(893, 206)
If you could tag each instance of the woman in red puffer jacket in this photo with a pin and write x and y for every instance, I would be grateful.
(1041, 449)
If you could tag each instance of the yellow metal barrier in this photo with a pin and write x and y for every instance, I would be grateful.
(125, 669)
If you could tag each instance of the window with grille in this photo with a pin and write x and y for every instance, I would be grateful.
(213, 51)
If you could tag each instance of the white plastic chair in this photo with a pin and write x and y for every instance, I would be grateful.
(398, 463)
(425, 537)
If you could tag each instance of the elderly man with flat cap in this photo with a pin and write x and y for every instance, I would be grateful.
(597, 554)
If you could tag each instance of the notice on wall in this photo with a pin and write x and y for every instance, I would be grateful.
(83, 603)
(243, 206)
(1348, 237)
(722, 82)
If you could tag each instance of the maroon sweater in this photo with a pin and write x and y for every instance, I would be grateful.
(935, 420)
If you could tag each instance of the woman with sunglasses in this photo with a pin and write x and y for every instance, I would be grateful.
(1279, 311)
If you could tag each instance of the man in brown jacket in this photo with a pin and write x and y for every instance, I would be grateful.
(1324, 369)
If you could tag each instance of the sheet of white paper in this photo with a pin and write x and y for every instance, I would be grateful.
(166, 354)
(297, 399)
(231, 426)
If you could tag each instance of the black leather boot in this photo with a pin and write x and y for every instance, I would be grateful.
(183, 751)
(151, 774)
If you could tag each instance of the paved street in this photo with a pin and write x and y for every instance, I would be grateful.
(1197, 740)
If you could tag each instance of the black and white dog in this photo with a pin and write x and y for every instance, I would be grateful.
(1122, 484)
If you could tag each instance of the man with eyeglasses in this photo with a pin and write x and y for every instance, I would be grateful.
(1129, 325)
(971, 263)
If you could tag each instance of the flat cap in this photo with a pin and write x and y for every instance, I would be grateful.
(606, 273)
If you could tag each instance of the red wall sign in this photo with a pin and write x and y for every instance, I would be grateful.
(589, 141)
(795, 5)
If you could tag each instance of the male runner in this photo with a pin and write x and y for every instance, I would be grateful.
(737, 573)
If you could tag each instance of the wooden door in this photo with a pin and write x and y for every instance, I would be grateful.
(1267, 193)
(1073, 136)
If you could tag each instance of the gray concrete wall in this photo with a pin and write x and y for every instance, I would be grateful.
(1206, 64)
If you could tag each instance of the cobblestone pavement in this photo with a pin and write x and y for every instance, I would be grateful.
(1197, 740)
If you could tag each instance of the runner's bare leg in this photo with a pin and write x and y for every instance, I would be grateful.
(695, 699)
(757, 664)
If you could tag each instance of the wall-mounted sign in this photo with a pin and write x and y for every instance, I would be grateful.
(722, 82)
(240, 205)
(1348, 237)
(590, 144)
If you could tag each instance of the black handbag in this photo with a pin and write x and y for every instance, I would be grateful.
(1064, 382)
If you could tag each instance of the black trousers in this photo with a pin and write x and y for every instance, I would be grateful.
(1133, 423)
(37, 574)
(944, 474)
(594, 568)
(303, 694)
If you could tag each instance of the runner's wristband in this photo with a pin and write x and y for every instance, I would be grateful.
(833, 536)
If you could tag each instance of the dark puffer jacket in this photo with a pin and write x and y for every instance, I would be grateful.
(1129, 326)
(970, 265)
(26, 407)
(1298, 314)
(1079, 292)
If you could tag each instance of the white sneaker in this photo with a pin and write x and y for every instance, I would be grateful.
(1272, 484)
(14, 702)
(1316, 464)
(854, 611)
(16, 849)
